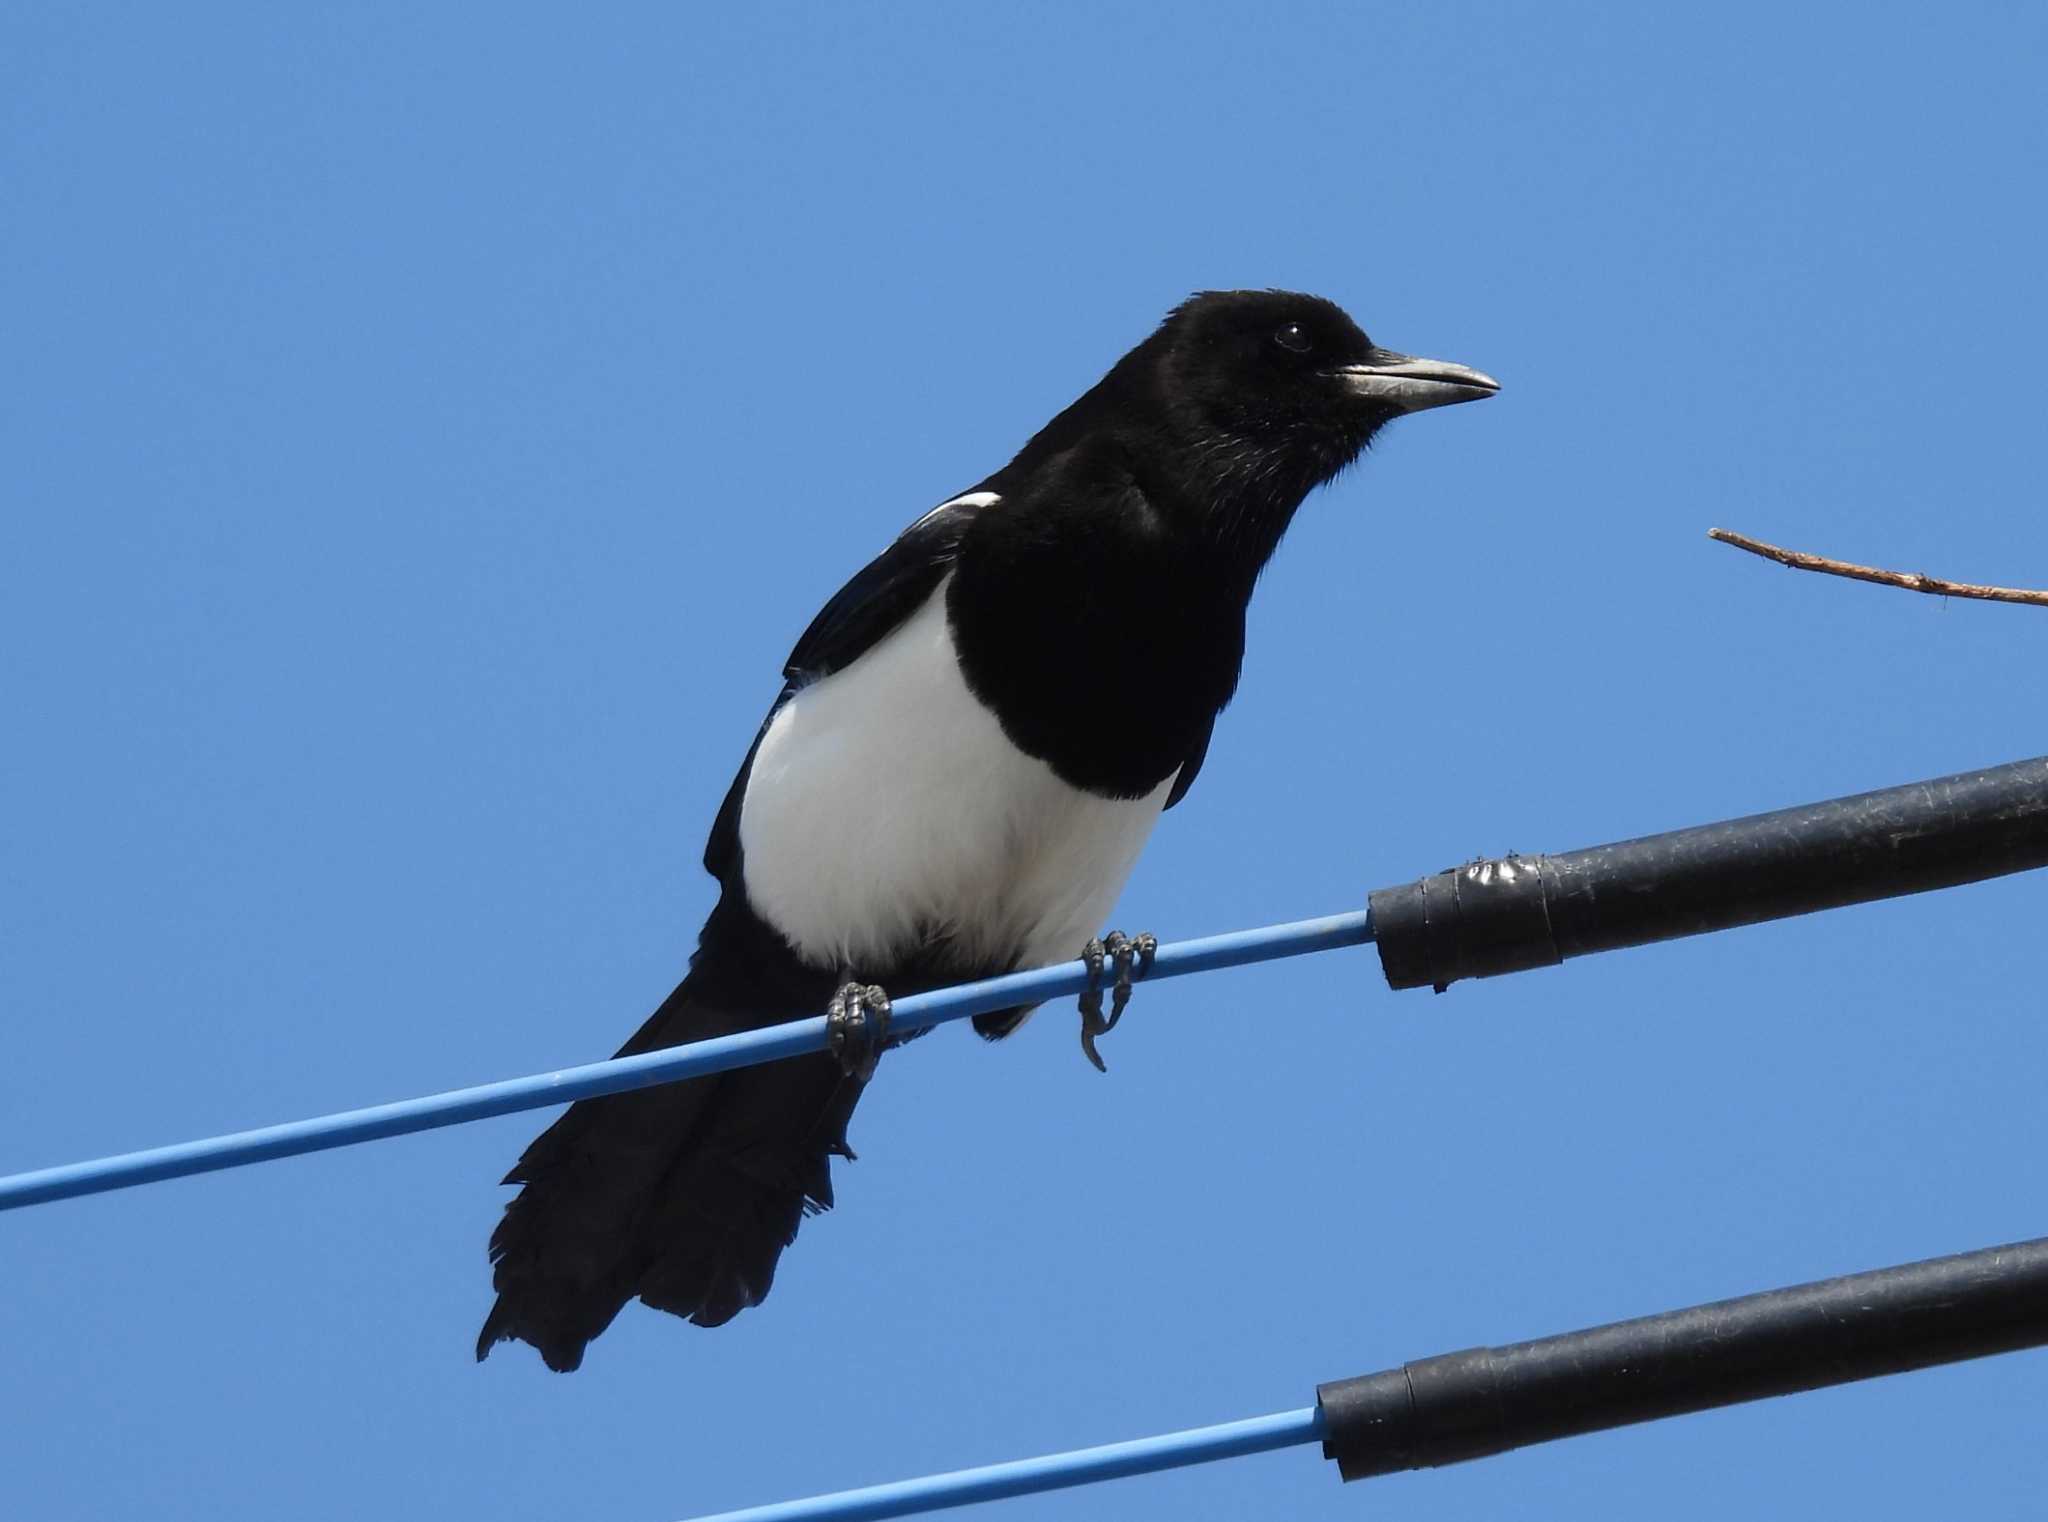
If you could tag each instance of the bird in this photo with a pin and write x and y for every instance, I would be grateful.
(974, 739)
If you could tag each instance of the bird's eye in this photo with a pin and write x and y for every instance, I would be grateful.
(1294, 337)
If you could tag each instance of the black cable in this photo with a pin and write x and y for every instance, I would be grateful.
(1466, 1405)
(1519, 912)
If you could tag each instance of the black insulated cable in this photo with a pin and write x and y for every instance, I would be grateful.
(1518, 912)
(1467, 1405)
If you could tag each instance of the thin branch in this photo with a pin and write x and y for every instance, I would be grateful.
(1911, 581)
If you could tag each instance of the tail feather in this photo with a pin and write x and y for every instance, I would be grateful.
(726, 1211)
(684, 1194)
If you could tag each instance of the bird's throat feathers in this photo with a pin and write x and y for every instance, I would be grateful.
(1246, 488)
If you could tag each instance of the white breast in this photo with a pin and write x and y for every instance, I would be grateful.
(886, 804)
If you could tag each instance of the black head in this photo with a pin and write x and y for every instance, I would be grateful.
(1251, 399)
(1292, 370)
(1239, 405)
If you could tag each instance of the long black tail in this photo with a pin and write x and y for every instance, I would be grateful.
(684, 1194)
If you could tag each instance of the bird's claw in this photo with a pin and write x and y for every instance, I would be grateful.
(1131, 957)
(856, 1028)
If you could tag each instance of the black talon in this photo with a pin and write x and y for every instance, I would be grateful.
(1142, 948)
(1121, 950)
(1092, 1023)
(856, 1027)
(1132, 957)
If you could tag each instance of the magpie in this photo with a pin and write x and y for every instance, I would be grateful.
(973, 740)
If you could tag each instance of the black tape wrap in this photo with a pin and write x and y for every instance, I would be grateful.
(1488, 1400)
(1518, 912)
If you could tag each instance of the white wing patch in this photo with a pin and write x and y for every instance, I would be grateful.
(886, 804)
(965, 499)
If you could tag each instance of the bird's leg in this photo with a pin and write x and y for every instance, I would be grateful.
(1092, 1023)
(1132, 957)
(856, 1028)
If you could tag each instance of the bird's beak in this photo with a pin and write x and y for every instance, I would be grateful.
(1407, 384)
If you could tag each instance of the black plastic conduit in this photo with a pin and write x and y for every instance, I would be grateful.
(1460, 1406)
(1517, 912)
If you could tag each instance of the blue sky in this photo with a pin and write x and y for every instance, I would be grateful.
(426, 431)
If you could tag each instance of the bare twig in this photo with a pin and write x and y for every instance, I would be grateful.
(1911, 581)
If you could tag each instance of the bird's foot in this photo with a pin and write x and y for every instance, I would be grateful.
(856, 1028)
(1131, 957)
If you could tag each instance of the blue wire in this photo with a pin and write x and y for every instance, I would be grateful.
(913, 1013)
(1052, 1471)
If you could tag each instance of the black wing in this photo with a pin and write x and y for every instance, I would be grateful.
(1192, 767)
(882, 594)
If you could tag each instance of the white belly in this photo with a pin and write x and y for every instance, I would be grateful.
(885, 805)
